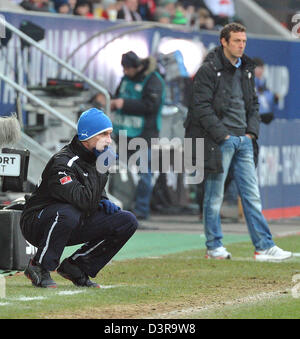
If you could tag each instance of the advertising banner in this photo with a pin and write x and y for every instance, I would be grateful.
(279, 168)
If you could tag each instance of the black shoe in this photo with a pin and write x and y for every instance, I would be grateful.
(72, 272)
(39, 276)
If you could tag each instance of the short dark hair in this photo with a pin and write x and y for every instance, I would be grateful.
(232, 27)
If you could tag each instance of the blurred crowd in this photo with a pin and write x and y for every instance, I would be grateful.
(197, 14)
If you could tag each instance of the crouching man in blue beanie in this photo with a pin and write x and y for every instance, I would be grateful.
(69, 207)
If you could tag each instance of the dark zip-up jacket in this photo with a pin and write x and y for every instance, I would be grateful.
(151, 101)
(210, 101)
(69, 177)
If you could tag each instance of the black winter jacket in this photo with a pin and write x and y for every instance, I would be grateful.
(69, 177)
(151, 102)
(211, 99)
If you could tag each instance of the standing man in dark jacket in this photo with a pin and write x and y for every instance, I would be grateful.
(69, 207)
(138, 105)
(224, 111)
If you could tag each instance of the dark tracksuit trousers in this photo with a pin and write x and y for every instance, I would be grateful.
(61, 225)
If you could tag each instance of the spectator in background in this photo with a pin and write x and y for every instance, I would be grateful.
(137, 110)
(190, 13)
(107, 9)
(222, 11)
(162, 16)
(98, 100)
(83, 8)
(129, 11)
(36, 5)
(169, 6)
(62, 7)
(267, 100)
(146, 9)
(204, 20)
(72, 4)
(179, 17)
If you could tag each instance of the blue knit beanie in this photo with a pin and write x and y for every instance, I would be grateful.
(92, 122)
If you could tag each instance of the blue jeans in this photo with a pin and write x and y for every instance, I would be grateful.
(143, 195)
(237, 152)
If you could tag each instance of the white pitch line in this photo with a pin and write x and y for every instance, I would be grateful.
(4, 304)
(69, 292)
(24, 298)
(61, 293)
(195, 310)
(110, 286)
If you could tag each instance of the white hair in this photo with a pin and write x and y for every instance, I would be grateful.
(10, 130)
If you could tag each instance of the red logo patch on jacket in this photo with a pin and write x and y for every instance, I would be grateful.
(65, 180)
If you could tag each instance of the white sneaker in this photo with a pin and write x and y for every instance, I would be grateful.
(218, 253)
(272, 254)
